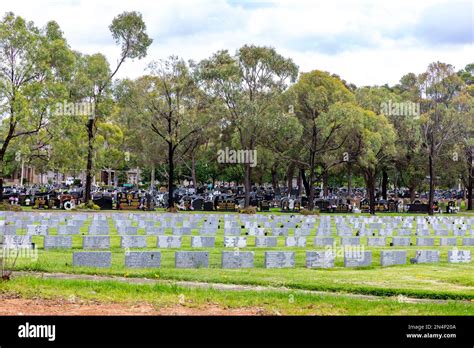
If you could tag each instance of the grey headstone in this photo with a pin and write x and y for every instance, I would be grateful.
(96, 242)
(441, 232)
(427, 256)
(183, 231)
(424, 241)
(233, 231)
(323, 241)
(64, 229)
(357, 258)
(38, 230)
(11, 241)
(202, 242)
(279, 259)
(376, 241)
(350, 240)
(393, 257)
(266, 242)
(155, 230)
(133, 242)
(235, 242)
(237, 259)
(57, 242)
(451, 241)
(92, 259)
(320, 259)
(98, 230)
(191, 259)
(169, 241)
(401, 241)
(127, 231)
(468, 241)
(142, 259)
(459, 256)
(295, 242)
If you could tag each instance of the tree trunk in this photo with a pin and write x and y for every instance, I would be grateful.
(470, 180)
(299, 184)
(152, 178)
(274, 179)
(305, 182)
(247, 184)
(412, 193)
(384, 184)
(90, 150)
(370, 184)
(325, 184)
(431, 194)
(289, 177)
(193, 170)
(349, 179)
(170, 175)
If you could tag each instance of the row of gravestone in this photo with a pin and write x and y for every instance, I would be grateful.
(299, 234)
(272, 259)
(135, 241)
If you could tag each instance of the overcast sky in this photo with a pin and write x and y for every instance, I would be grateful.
(365, 42)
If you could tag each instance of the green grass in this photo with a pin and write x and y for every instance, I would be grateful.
(271, 302)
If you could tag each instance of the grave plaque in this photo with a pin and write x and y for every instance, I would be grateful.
(92, 259)
(235, 242)
(64, 229)
(279, 259)
(169, 241)
(202, 242)
(233, 231)
(127, 230)
(142, 259)
(323, 241)
(183, 231)
(191, 259)
(266, 241)
(426, 256)
(468, 241)
(57, 242)
(401, 241)
(393, 257)
(459, 256)
(448, 241)
(38, 230)
(96, 242)
(237, 259)
(424, 241)
(376, 241)
(133, 242)
(208, 231)
(295, 242)
(13, 241)
(320, 259)
(350, 240)
(155, 230)
(99, 230)
(357, 258)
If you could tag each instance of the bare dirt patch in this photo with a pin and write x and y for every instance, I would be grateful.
(20, 306)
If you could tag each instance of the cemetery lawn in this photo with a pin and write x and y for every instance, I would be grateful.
(428, 281)
(29, 295)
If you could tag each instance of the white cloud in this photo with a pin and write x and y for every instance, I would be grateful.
(365, 42)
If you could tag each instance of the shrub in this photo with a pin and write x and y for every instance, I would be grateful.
(5, 206)
(248, 210)
(309, 212)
